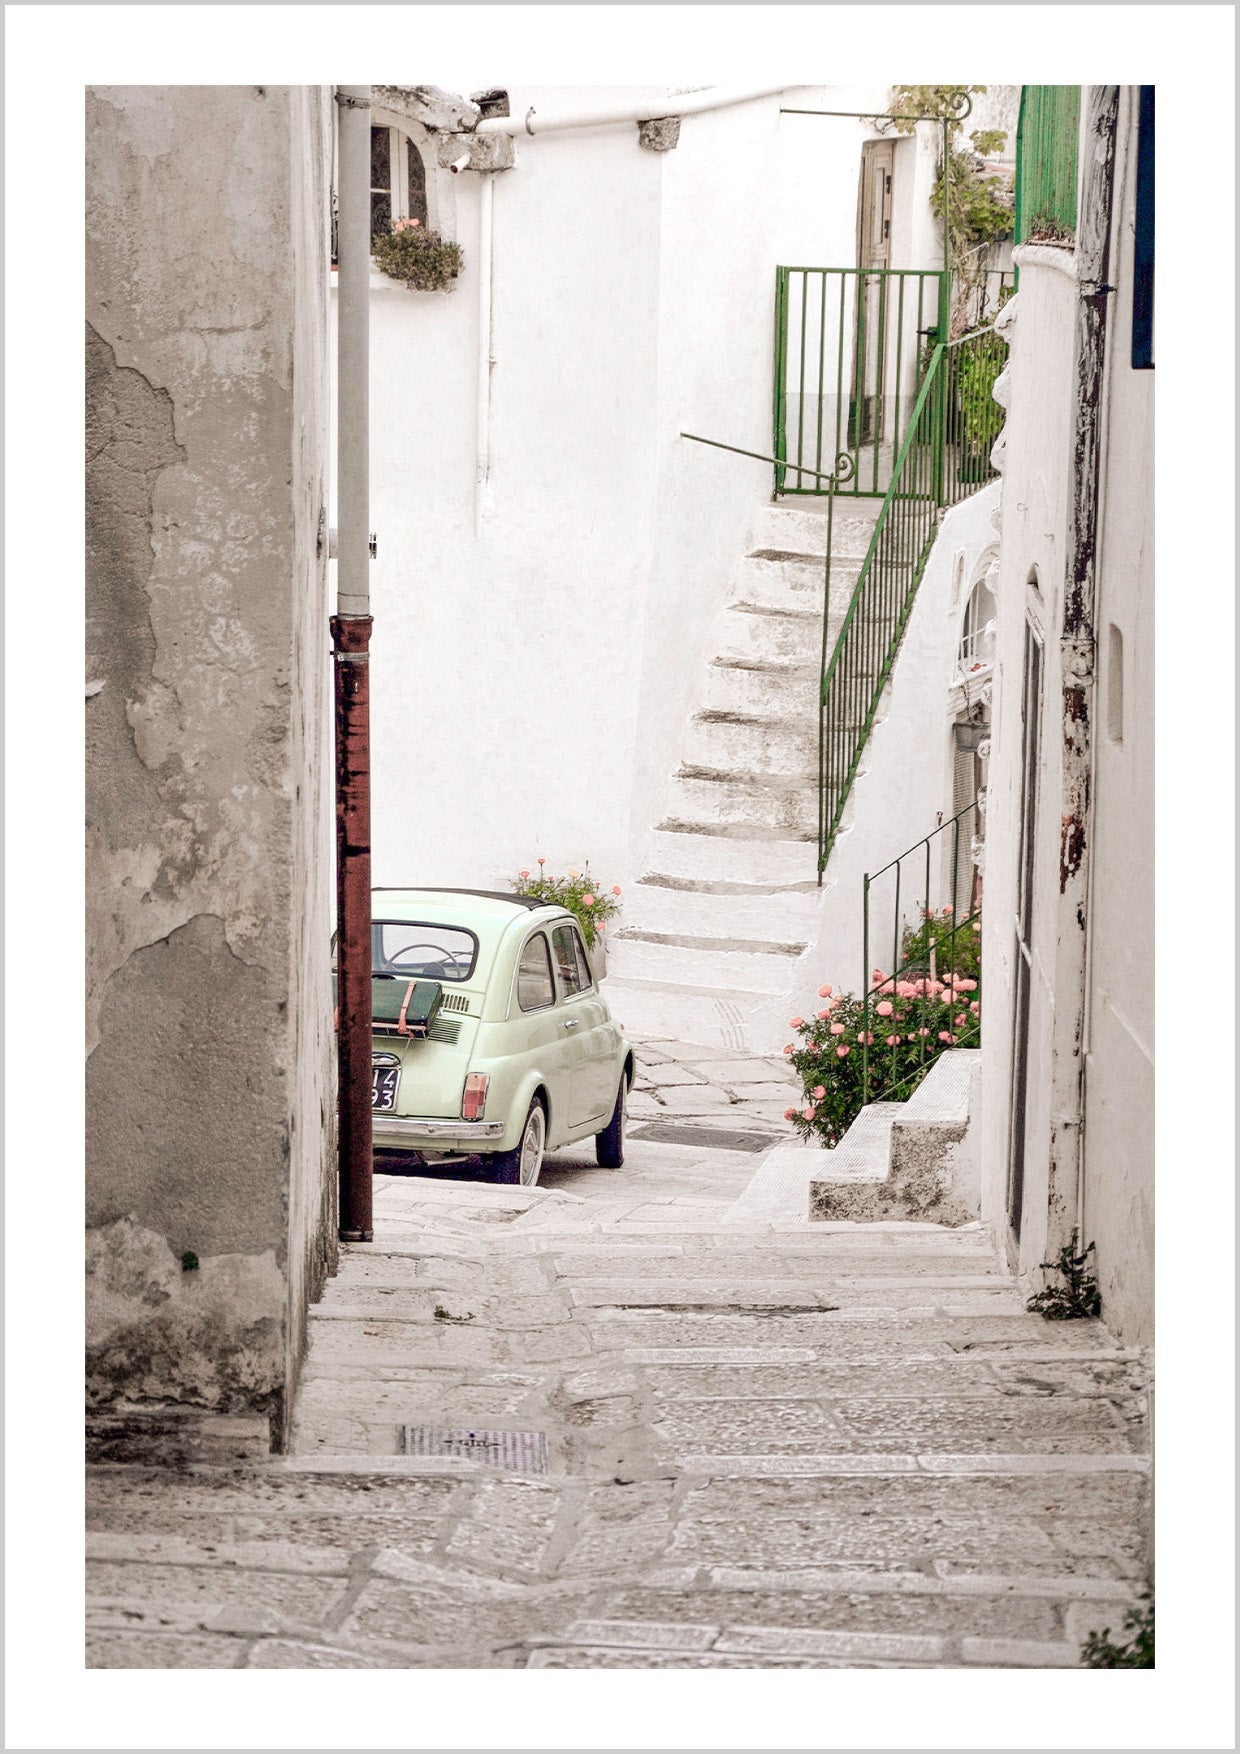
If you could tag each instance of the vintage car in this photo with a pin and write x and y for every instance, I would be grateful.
(491, 1038)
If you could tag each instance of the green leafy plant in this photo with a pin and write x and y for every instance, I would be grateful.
(1098, 1651)
(584, 897)
(1044, 228)
(970, 200)
(419, 258)
(1077, 1295)
(911, 1018)
(189, 1262)
(443, 1315)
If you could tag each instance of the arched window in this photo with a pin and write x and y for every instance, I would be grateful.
(977, 633)
(397, 179)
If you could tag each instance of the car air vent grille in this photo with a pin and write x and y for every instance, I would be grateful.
(454, 1002)
(444, 1029)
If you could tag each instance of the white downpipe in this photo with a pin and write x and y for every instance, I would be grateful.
(353, 354)
(650, 109)
(486, 229)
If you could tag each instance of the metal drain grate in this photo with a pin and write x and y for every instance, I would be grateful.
(669, 1133)
(519, 1452)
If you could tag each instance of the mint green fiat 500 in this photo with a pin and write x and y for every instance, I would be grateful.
(491, 1038)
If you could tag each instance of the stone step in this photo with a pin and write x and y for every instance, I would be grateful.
(655, 908)
(719, 738)
(759, 633)
(692, 857)
(803, 529)
(795, 581)
(763, 806)
(766, 689)
(708, 963)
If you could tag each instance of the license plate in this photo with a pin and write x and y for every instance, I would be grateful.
(383, 1082)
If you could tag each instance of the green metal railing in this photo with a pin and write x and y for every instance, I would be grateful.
(932, 998)
(944, 456)
(851, 346)
(1047, 136)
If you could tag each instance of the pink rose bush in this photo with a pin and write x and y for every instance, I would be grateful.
(931, 1004)
(578, 892)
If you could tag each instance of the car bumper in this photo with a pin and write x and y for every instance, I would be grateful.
(471, 1135)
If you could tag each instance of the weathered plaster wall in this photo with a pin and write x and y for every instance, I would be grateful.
(208, 995)
(1119, 1069)
(1116, 1192)
(1037, 389)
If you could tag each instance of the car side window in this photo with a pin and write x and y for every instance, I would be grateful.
(583, 963)
(535, 989)
(567, 965)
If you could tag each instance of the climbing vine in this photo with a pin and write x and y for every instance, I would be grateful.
(969, 200)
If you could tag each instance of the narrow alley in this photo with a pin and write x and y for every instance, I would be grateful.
(612, 1421)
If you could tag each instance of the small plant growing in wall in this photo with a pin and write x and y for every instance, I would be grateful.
(591, 903)
(1137, 1652)
(1076, 1294)
(1044, 228)
(418, 258)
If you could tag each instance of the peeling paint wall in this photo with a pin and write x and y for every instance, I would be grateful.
(1099, 821)
(209, 1094)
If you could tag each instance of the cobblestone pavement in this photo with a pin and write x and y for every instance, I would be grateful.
(794, 1446)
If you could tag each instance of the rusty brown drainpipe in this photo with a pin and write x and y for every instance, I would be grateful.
(350, 628)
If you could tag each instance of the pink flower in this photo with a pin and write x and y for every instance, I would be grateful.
(893, 1041)
(975, 1008)
(837, 1029)
(923, 1032)
(945, 1035)
(842, 1051)
(948, 911)
(788, 1048)
(962, 1018)
(587, 901)
(818, 1093)
(820, 1015)
(542, 861)
(523, 875)
(795, 1022)
(615, 889)
(977, 925)
(601, 926)
(790, 1114)
(885, 1008)
(876, 974)
(968, 986)
(824, 992)
(808, 1113)
(574, 873)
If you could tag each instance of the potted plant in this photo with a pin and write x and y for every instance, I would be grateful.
(590, 903)
(418, 258)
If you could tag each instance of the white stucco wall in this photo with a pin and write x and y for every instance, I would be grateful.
(531, 683)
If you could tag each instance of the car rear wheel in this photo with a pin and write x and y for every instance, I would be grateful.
(520, 1168)
(609, 1144)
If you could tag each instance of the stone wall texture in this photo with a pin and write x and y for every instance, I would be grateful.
(210, 1105)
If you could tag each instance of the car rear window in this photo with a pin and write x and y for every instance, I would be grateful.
(423, 949)
(570, 960)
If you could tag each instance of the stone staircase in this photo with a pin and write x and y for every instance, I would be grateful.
(729, 896)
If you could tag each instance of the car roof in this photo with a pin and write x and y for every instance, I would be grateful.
(449, 907)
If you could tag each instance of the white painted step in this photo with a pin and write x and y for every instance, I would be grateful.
(751, 744)
(794, 581)
(783, 917)
(701, 963)
(756, 632)
(783, 806)
(707, 858)
(763, 687)
(804, 529)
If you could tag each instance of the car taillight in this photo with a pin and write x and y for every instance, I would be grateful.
(473, 1105)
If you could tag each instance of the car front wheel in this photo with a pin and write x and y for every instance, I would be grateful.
(609, 1144)
(520, 1168)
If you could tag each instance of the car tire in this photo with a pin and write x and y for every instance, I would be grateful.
(520, 1168)
(609, 1144)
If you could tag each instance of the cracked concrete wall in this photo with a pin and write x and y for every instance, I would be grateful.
(209, 1075)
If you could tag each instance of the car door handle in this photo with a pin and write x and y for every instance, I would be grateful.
(570, 1023)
